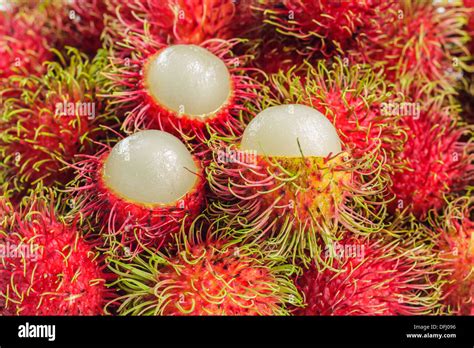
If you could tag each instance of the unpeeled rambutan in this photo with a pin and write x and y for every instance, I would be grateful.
(180, 21)
(23, 49)
(52, 120)
(453, 232)
(288, 180)
(205, 273)
(438, 161)
(327, 25)
(75, 23)
(139, 191)
(47, 268)
(424, 43)
(369, 278)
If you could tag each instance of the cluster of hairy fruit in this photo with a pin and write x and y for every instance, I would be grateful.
(217, 157)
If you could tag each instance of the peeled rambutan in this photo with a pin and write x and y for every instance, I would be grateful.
(453, 232)
(180, 21)
(53, 119)
(326, 26)
(438, 161)
(288, 179)
(205, 273)
(188, 90)
(353, 98)
(47, 268)
(140, 190)
(23, 49)
(369, 278)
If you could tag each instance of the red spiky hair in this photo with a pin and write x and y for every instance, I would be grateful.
(128, 92)
(323, 26)
(50, 122)
(126, 227)
(454, 238)
(180, 21)
(424, 42)
(437, 161)
(76, 23)
(368, 278)
(48, 268)
(23, 49)
(206, 272)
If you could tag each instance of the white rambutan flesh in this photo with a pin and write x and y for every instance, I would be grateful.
(188, 79)
(291, 131)
(150, 167)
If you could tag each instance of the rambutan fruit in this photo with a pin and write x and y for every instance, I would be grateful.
(188, 90)
(75, 23)
(23, 49)
(370, 278)
(205, 273)
(140, 190)
(326, 26)
(438, 160)
(53, 119)
(453, 232)
(180, 21)
(47, 268)
(353, 98)
(289, 180)
(425, 43)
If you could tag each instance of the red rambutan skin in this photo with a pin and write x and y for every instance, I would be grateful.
(181, 21)
(366, 279)
(59, 276)
(23, 49)
(422, 42)
(206, 272)
(438, 162)
(326, 25)
(129, 92)
(243, 274)
(74, 23)
(38, 137)
(455, 243)
(129, 224)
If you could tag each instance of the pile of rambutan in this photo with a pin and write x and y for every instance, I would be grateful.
(221, 157)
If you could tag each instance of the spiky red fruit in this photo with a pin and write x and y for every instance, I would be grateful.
(23, 49)
(368, 278)
(454, 237)
(424, 42)
(205, 273)
(127, 224)
(47, 267)
(325, 25)
(437, 161)
(53, 119)
(75, 23)
(180, 21)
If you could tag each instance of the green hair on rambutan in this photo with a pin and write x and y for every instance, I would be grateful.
(54, 118)
(205, 272)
